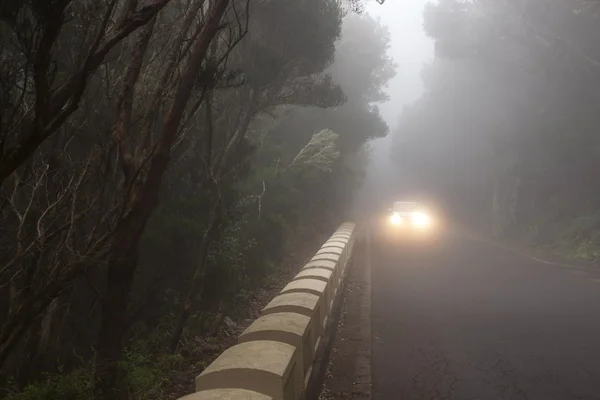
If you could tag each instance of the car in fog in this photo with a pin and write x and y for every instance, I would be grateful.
(407, 218)
(409, 214)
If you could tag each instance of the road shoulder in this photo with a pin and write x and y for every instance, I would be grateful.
(541, 255)
(348, 373)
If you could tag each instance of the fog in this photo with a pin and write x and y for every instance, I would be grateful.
(494, 119)
(493, 114)
(411, 50)
(167, 165)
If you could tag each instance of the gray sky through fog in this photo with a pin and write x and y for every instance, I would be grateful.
(411, 49)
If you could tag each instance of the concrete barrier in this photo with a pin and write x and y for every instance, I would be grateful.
(286, 327)
(301, 303)
(334, 267)
(313, 286)
(335, 245)
(262, 366)
(275, 356)
(324, 275)
(335, 251)
(329, 257)
(227, 394)
(341, 236)
(331, 253)
(331, 265)
(321, 263)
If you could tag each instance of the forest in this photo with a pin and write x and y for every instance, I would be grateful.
(162, 162)
(507, 129)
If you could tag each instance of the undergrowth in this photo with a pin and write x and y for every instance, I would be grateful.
(577, 238)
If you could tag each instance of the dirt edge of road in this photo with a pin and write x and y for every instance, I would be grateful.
(348, 374)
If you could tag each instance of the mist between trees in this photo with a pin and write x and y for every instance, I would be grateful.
(160, 162)
(507, 130)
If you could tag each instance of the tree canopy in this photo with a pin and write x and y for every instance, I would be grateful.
(160, 163)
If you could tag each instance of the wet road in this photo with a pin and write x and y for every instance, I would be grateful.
(469, 320)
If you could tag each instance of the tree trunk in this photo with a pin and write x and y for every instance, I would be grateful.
(48, 327)
(186, 308)
(122, 265)
(123, 253)
(22, 317)
(221, 168)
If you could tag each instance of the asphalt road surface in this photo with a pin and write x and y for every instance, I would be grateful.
(469, 320)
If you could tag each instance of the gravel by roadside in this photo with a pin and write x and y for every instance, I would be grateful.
(348, 374)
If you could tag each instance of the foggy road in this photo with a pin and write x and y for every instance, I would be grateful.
(465, 319)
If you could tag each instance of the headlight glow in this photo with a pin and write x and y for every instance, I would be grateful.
(396, 219)
(420, 219)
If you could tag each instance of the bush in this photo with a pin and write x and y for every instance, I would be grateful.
(75, 385)
(144, 375)
(576, 237)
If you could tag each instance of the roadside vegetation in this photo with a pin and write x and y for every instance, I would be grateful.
(163, 165)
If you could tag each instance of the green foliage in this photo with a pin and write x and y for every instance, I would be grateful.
(75, 385)
(577, 237)
(265, 157)
(144, 370)
(319, 153)
(363, 65)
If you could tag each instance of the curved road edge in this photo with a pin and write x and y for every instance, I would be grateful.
(348, 373)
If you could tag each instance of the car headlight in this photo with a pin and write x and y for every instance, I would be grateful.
(396, 219)
(421, 219)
